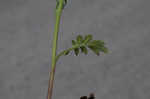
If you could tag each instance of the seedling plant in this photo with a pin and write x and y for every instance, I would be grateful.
(80, 44)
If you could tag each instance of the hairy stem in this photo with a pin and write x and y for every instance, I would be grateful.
(54, 48)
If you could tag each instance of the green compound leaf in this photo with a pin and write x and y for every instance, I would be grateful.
(95, 50)
(66, 52)
(84, 50)
(82, 44)
(79, 39)
(76, 51)
(87, 38)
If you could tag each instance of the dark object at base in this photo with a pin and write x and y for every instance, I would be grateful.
(91, 96)
(83, 97)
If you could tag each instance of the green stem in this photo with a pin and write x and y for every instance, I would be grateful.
(55, 39)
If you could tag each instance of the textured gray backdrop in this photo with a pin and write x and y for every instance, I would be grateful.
(26, 30)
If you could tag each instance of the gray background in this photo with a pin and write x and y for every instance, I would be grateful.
(26, 30)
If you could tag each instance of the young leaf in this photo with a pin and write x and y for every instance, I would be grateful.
(76, 51)
(66, 52)
(94, 49)
(87, 38)
(73, 42)
(79, 39)
(84, 50)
